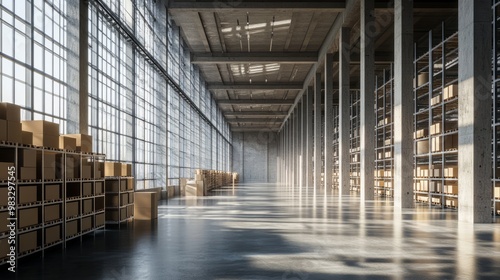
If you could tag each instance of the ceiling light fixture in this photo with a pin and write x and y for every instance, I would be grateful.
(272, 34)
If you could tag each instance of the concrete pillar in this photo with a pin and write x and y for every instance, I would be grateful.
(310, 136)
(317, 130)
(298, 163)
(328, 138)
(474, 112)
(84, 72)
(367, 100)
(403, 104)
(344, 112)
(303, 134)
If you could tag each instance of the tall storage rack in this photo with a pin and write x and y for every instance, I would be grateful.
(354, 150)
(119, 199)
(436, 120)
(496, 107)
(59, 196)
(384, 150)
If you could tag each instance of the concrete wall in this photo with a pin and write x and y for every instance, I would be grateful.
(255, 156)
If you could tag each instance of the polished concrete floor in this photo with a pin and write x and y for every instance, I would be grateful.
(264, 231)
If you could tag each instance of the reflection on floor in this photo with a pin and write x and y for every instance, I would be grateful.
(264, 231)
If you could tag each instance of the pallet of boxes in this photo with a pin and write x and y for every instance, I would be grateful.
(119, 190)
(55, 179)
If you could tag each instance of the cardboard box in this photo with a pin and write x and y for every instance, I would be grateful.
(88, 206)
(28, 241)
(3, 130)
(450, 91)
(83, 142)
(124, 169)
(10, 112)
(99, 204)
(436, 128)
(112, 200)
(4, 196)
(67, 143)
(72, 209)
(42, 128)
(422, 147)
(3, 217)
(130, 197)
(27, 158)
(436, 100)
(26, 138)
(99, 220)
(28, 217)
(48, 141)
(422, 78)
(27, 173)
(145, 205)
(4, 247)
(129, 169)
(14, 132)
(27, 194)
(4, 171)
(123, 184)
(130, 184)
(49, 173)
(86, 224)
(112, 185)
(86, 172)
(71, 228)
(87, 189)
(52, 234)
(49, 160)
(112, 169)
(124, 199)
(99, 188)
(452, 172)
(130, 211)
(52, 212)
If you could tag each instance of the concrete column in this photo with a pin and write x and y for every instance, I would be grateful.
(298, 163)
(310, 136)
(367, 100)
(303, 134)
(403, 104)
(344, 112)
(474, 112)
(328, 146)
(84, 66)
(317, 130)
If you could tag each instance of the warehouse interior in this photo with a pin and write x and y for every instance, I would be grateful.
(249, 139)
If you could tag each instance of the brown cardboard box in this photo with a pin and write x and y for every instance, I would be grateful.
(422, 147)
(14, 132)
(27, 137)
(129, 169)
(28, 217)
(71, 228)
(130, 211)
(422, 78)
(87, 206)
(27, 194)
(52, 234)
(123, 185)
(87, 189)
(145, 205)
(130, 184)
(3, 130)
(99, 203)
(42, 128)
(450, 91)
(4, 170)
(10, 112)
(27, 173)
(112, 200)
(98, 188)
(49, 160)
(52, 212)
(4, 247)
(124, 169)
(83, 142)
(28, 241)
(27, 158)
(453, 172)
(67, 143)
(123, 213)
(130, 197)
(44, 140)
(4, 196)
(99, 220)
(124, 199)
(86, 172)
(49, 173)
(72, 209)
(112, 169)
(86, 223)
(3, 217)
(112, 185)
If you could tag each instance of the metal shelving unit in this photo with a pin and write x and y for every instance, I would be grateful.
(354, 149)
(119, 193)
(496, 107)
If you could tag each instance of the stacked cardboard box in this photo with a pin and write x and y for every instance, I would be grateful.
(10, 123)
(145, 205)
(27, 163)
(450, 92)
(45, 134)
(83, 142)
(67, 143)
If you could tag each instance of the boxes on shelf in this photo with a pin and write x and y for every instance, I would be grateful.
(87, 189)
(450, 91)
(112, 200)
(436, 128)
(27, 158)
(99, 188)
(28, 217)
(27, 194)
(99, 220)
(14, 132)
(67, 143)
(71, 228)
(52, 234)
(436, 100)
(83, 142)
(72, 209)
(86, 224)
(88, 206)
(45, 133)
(422, 147)
(3, 217)
(27, 173)
(420, 133)
(436, 144)
(4, 247)
(145, 205)
(451, 172)
(52, 212)
(28, 241)
(10, 112)
(422, 78)
(123, 199)
(4, 196)
(112, 169)
(3, 130)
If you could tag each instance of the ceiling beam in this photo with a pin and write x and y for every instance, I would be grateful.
(226, 6)
(255, 57)
(255, 86)
(256, 129)
(419, 6)
(255, 101)
(262, 114)
(254, 120)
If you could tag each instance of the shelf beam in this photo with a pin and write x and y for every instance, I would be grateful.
(256, 58)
